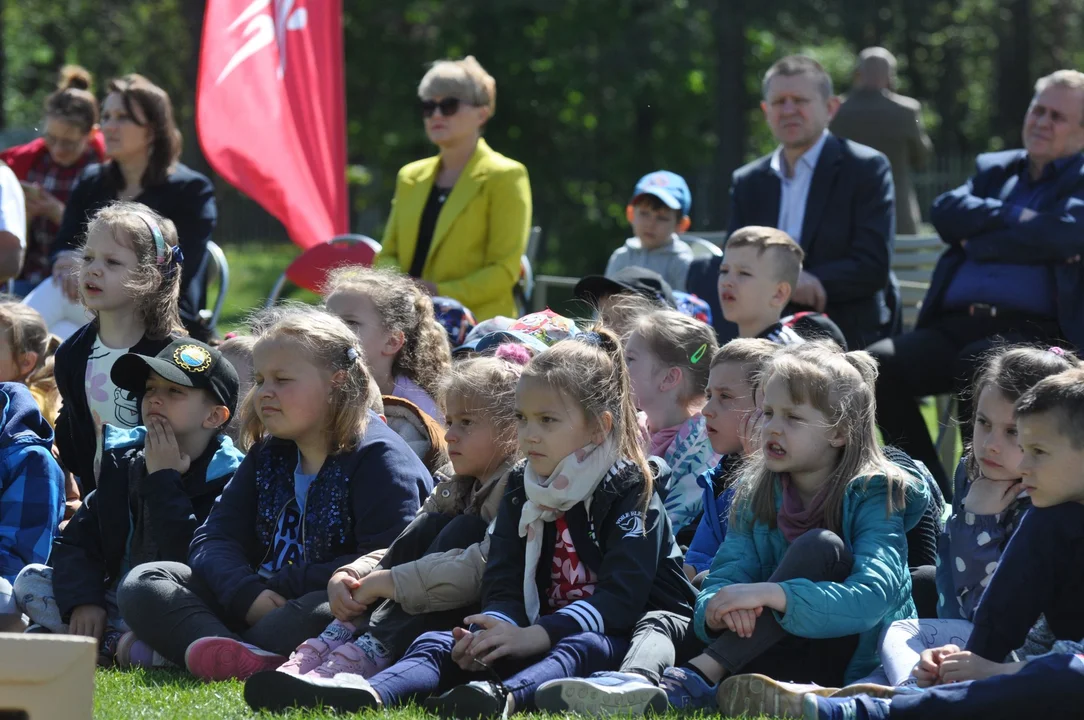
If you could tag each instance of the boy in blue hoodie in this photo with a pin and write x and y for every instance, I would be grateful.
(156, 485)
(31, 493)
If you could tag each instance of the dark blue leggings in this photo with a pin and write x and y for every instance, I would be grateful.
(1051, 686)
(427, 667)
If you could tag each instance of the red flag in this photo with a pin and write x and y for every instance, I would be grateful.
(271, 111)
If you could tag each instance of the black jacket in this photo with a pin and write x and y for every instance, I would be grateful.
(359, 502)
(75, 425)
(134, 517)
(848, 233)
(638, 563)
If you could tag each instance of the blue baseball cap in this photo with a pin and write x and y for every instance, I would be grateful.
(669, 187)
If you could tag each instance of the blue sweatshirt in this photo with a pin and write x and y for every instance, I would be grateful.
(31, 482)
(359, 502)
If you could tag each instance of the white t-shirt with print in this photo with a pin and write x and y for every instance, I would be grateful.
(107, 402)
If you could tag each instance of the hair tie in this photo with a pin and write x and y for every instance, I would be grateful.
(590, 338)
(1057, 351)
(352, 354)
(696, 356)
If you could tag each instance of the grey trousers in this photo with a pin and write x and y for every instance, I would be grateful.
(662, 639)
(169, 607)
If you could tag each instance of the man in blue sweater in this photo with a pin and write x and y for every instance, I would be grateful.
(1011, 270)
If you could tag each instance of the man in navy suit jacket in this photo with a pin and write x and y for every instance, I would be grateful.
(1011, 272)
(833, 196)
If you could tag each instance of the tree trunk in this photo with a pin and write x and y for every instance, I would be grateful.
(732, 103)
(1014, 88)
(193, 154)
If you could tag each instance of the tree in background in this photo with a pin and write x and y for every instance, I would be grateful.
(591, 93)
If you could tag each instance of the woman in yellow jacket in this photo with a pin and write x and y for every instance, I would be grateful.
(460, 220)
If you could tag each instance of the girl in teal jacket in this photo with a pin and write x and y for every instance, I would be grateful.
(816, 557)
(813, 567)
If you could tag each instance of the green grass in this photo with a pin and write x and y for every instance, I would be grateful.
(254, 268)
(162, 695)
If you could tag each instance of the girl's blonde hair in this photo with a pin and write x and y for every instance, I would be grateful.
(1012, 371)
(465, 79)
(425, 356)
(682, 342)
(841, 386)
(153, 286)
(325, 341)
(590, 370)
(25, 330)
(487, 385)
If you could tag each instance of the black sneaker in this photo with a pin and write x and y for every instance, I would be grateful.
(473, 701)
(277, 692)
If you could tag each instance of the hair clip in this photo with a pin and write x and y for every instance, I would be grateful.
(352, 354)
(696, 356)
(1056, 350)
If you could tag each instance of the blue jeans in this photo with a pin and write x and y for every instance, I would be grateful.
(427, 667)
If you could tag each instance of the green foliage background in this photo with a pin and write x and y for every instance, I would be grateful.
(591, 93)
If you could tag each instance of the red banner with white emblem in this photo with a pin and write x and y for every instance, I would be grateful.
(271, 109)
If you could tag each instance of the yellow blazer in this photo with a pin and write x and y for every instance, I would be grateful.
(481, 231)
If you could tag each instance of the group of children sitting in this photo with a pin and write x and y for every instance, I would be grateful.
(618, 519)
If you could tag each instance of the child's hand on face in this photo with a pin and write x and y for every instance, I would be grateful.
(990, 497)
(928, 670)
(161, 451)
(340, 591)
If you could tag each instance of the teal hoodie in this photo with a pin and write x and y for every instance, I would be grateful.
(877, 593)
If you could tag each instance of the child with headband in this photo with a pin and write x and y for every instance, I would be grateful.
(129, 278)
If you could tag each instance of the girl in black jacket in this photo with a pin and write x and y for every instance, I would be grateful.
(581, 547)
(129, 276)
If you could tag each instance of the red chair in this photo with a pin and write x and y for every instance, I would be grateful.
(310, 269)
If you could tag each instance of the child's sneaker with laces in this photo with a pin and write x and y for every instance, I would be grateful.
(354, 658)
(687, 691)
(309, 655)
(604, 693)
(860, 707)
(220, 658)
(133, 652)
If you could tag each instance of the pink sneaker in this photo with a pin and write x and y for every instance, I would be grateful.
(351, 659)
(309, 655)
(219, 658)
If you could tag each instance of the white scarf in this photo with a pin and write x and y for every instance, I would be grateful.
(573, 481)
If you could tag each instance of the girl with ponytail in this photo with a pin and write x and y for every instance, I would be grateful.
(581, 547)
(813, 567)
(406, 349)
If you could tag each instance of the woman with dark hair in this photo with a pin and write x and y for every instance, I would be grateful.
(143, 144)
(49, 166)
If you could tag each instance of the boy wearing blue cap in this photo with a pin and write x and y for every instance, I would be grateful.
(658, 211)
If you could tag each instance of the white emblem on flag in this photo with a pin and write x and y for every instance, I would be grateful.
(262, 28)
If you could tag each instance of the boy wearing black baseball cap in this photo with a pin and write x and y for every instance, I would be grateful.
(156, 485)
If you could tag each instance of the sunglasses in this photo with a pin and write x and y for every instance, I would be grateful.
(447, 107)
